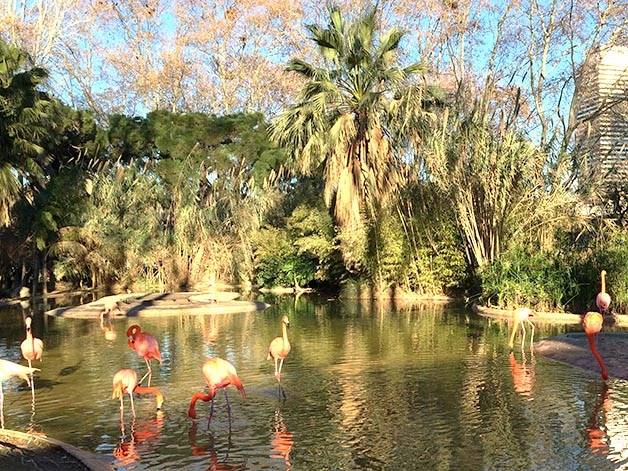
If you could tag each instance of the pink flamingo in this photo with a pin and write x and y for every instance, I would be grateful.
(8, 370)
(521, 316)
(603, 299)
(125, 381)
(592, 324)
(280, 347)
(219, 374)
(32, 349)
(146, 347)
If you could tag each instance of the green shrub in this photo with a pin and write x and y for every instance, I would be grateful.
(612, 256)
(518, 277)
(277, 261)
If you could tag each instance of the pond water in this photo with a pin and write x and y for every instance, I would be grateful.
(367, 387)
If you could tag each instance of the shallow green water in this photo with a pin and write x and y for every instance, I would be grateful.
(368, 387)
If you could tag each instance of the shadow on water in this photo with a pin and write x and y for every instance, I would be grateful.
(68, 370)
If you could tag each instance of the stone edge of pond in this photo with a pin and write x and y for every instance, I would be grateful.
(89, 460)
(619, 320)
(229, 307)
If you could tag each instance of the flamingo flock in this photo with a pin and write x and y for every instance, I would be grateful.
(220, 374)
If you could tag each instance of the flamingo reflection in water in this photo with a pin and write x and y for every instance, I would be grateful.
(282, 440)
(107, 328)
(523, 374)
(210, 450)
(597, 439)
(141, 435)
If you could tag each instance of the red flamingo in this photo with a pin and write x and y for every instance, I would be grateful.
(219, 374)
(146, 347)
(603, 299)
(32, 349)
(125, 381)
(592, 324)
(8, 369)
(280, 347)
(521, 316)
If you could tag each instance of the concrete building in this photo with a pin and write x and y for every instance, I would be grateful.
(601, 111)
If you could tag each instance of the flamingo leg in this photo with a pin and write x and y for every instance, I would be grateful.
(132, 405)
(280, 366)
(32, 383)
(211, 412)
(122, 412)
(149, 373)
(523, 340)
(515, 328)
(532, 335)
(1, 406)
(276, 370)
(282, 393)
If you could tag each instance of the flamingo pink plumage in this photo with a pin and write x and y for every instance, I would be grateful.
(219, 374)
(280, 347)
(146, 347)
(592, 324)
(32, 349)
(603, 299)
(125, 382)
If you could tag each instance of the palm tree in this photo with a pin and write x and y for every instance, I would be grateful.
(356, 115)
(22, 118)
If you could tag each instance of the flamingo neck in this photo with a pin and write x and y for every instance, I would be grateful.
(196, 397)
(603, 282)
(598, 357)
(151, 390)
(29, 336)
(285, 332)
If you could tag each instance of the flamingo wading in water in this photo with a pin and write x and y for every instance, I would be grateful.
(603, 299)
(146, 347)
(125, 381)
(520, 317)
(280, 347)
(219, 374)
(32, 349)
(592, 324)
(8, 370)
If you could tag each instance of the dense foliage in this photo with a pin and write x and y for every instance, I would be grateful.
(374, 180)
